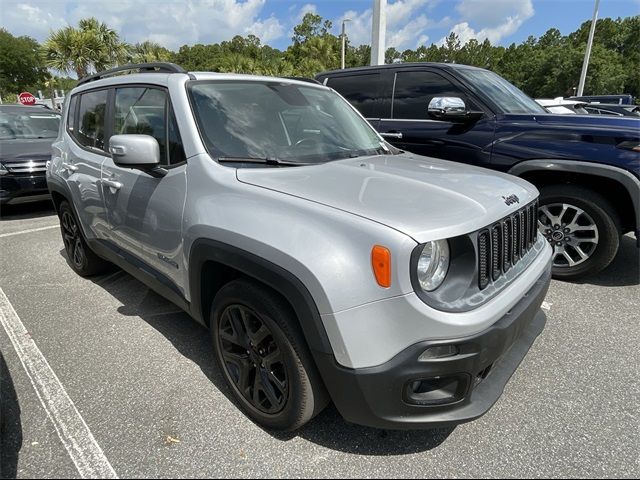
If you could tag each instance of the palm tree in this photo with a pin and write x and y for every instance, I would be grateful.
(147, 52)
(91, 46)
(237, 63)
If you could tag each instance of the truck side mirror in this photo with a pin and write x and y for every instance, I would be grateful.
(452, 109)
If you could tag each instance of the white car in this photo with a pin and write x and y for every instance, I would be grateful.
(563, 106)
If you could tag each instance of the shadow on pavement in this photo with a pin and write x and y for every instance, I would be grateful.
(27, 210)
(10, 425)
(193, 341)
(625, 269)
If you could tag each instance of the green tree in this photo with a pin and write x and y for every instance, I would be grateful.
(93, 46)
(148, 52)
(312, 25)
(20, 63)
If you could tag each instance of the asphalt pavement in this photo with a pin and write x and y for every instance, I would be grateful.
(140, 375)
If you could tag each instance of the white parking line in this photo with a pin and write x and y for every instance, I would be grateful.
(74, 433)
(31, 230)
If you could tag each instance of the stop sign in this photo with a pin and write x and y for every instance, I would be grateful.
(27, 99)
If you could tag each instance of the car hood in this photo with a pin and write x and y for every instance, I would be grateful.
(425, 198)
(25, 148)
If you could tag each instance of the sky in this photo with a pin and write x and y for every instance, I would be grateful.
(410, 23)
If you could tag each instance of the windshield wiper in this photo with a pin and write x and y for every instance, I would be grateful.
(369, 152)
(264, 160)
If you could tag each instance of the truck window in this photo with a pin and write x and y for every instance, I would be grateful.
(361, 91)
(414, 91)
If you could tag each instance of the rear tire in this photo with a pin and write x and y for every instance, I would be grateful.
(80, 257)
(264, 358)
(586, 220)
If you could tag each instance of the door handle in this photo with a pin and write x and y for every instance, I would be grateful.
(391, 135)
(69, 167)
(113, 185)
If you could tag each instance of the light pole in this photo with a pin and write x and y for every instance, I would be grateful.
(587, 54)
(344, 41)
(378, 32)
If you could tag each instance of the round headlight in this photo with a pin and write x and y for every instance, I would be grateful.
(433, 264)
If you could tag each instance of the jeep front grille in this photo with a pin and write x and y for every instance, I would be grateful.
(503, 244)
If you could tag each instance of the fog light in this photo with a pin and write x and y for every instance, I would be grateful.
(440, 351)
(437, 390)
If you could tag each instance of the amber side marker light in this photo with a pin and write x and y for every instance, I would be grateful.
(381, 263)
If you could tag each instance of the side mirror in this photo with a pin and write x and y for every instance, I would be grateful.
(135, 151)
(452, 109)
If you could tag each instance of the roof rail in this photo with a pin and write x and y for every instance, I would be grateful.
(158, 67)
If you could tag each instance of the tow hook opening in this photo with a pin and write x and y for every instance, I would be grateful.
(437, 391)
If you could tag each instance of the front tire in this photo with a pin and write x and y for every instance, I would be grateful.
(581, 226)
(264, 358)
(81, 258)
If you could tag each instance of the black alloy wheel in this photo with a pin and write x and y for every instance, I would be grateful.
(253, 359)
(72, 240)
(262, 353)
(81, 258)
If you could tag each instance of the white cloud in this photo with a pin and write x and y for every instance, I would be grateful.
(496, 19)
(25, 19)
(267, 30)
(406, 23)
(307, 8)
(422, 40)
(170, 22)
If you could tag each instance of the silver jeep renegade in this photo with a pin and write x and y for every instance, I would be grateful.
(328, 265)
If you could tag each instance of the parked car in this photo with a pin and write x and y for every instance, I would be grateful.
(326, 263)
(563, 107)
(587, 168)
(615, 99)
(26, 134)
(613, 109)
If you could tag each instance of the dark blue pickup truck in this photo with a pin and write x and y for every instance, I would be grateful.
(587, 168)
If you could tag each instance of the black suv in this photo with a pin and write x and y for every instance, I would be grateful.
(26, 135)
(586, 167)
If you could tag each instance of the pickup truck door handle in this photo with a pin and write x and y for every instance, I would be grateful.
(391, 135)
(69, 167)
(112, 184)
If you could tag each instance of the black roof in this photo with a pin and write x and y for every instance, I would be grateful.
(396, 66)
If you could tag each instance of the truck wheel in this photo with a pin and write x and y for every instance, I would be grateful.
(81, 258)
(264, 358)
(582, 228)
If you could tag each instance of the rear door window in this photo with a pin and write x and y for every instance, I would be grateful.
(362, 91)
(91, 119)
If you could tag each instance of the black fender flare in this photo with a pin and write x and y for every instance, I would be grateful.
(623, 177)
(205, 250)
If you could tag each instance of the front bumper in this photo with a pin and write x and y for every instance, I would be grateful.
(16, 189)
(382, 396)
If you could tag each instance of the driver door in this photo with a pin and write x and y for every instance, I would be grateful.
(409, 126)
(144, 209)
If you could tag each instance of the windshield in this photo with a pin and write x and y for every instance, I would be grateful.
(28, 125)
(279, 121)
(507, 97)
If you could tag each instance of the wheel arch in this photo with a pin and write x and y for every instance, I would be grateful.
(618, 186)
(213, 264)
